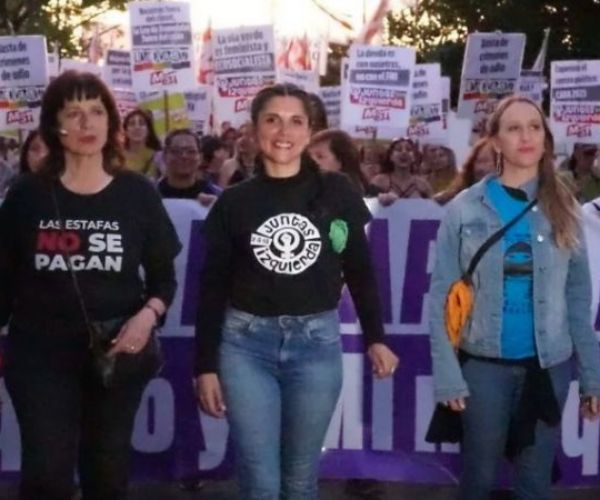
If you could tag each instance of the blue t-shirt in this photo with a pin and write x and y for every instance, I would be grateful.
(518, 338)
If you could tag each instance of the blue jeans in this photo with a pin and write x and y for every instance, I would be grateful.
(281, 379)
(495, 393)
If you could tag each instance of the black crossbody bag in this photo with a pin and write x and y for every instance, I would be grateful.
(113, 370)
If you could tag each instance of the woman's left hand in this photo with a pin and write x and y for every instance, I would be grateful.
(590, 408)
(383, 359)
(135, 333)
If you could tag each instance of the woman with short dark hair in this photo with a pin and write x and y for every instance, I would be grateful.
(81, 346)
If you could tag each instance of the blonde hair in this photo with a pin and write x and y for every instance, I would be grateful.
(555, 199)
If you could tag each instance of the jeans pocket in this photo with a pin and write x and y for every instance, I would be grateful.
(324, 328)
(236, 323)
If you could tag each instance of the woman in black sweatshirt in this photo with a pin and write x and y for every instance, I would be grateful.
(279, 247)
(72, 240)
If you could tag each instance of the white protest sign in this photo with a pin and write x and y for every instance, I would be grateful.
(53, 64)
(161, 46)
(331, 97)
(376, 94)
(117, 69)
(575, 101)
(81, 66)
(305, 79)
(532, 85)
(23, 78)
(491, 70)
(244, 60)
(198, 108)
(126, 101)
(426, 124)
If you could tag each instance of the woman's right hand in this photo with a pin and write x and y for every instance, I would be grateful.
(457, 404)
(209, 395)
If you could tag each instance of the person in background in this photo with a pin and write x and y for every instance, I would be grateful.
(182, 166)
(269, 351)
(438, 167)
(334, 151)
(7, 172)
(229, 138)
(319, 113)
(582, 173)
(370, 159)
(399, 177)
(115, 224)
(480, 162)
(241, 166)
(214, 153)
(141, 143)
(531, 315)
(33, 153)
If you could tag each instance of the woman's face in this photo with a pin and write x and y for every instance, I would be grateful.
(83, 126)
(484, 163)
(440, 159)
(137, 129)
(324, 157)
(402, 156)
(521, 135)
(283, 130)
(182, 157)
(36, 153)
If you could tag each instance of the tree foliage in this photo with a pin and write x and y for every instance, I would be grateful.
(58, 20)
(438, 28)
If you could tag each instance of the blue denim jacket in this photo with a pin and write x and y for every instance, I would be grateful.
(561, 295)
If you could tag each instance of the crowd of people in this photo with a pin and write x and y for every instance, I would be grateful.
(285, 231)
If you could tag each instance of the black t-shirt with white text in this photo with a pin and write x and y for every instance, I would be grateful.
(270, 253)
(106, 236)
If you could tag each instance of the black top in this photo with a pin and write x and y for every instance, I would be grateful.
(108, 236)
(269, 253)
(189, 193)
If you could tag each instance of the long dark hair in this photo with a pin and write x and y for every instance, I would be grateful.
(152, 140)
(345, 151)
(387, 166)
(74, 85)
(23, 162)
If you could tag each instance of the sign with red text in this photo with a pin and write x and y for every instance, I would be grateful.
(161, 46)
(575, 101)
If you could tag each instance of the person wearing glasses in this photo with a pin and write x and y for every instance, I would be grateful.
(182, 175)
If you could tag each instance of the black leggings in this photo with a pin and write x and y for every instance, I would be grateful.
(66, 418)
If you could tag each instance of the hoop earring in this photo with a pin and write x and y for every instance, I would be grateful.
(499, 164)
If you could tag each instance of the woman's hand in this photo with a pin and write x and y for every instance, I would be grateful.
(209, 395)
(457, 404)
(386, 199)
(206, 200)
(590, 407)
(135, 333)
(383, 359)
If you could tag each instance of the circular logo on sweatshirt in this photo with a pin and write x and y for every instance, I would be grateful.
(286, 244)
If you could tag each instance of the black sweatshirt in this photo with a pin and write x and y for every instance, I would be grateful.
(269, 253)
(108, 236)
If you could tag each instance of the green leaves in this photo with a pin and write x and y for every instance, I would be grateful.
(58, 20)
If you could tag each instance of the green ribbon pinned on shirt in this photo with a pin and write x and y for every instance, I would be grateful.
(338, 235)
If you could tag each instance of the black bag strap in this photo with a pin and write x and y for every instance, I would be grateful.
(494, 238)
(72, 272)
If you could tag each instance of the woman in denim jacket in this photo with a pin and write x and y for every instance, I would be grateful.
(531, 311)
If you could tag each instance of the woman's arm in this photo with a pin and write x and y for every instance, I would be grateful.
(449, 383)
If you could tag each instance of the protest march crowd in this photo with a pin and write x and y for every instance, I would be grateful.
(287, 231)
